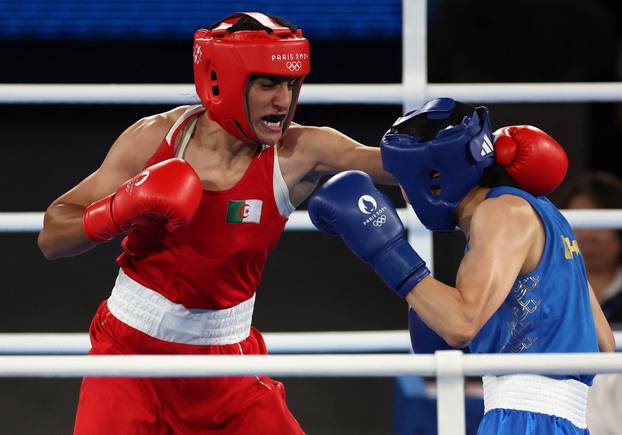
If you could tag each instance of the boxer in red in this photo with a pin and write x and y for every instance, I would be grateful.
(201, 195)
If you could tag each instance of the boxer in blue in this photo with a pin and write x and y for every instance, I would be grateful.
(521, 286)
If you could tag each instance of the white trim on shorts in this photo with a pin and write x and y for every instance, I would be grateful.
(150, 312)
(565, 398)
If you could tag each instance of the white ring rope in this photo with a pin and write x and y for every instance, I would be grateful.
(19, 222)
(375, 365)
(215, 365)
(370, 93)
(450, 367)
(276, 342)
(24, 343)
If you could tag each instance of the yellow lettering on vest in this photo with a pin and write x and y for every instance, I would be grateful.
(570, 248)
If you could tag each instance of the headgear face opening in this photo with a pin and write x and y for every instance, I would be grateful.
(438, 154)
(224, 61)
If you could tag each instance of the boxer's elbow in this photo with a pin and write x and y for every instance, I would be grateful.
(458, 338)
(63, 245)
(462, 330)
(47, 247)
(63, 234)
(47, 237)
(58, 242)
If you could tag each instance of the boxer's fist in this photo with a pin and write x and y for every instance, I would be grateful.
(534, 160)
(350, 205)
(169, 192)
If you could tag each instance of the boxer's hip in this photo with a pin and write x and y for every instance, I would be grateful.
(141, 320)
(566, 398)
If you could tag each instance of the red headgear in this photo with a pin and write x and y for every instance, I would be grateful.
(224, 62)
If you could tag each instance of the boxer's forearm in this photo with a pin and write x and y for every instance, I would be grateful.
(63, 233)
(444, 310)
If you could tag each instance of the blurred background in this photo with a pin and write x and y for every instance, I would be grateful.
(311, 282)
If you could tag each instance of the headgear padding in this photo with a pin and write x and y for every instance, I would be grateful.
(225, 60)
(438, 154)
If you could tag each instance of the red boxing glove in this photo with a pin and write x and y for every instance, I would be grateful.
(169, 191)
(536, 162)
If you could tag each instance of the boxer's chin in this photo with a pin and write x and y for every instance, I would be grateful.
(267, 133)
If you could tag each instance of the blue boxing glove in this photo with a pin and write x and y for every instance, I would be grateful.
(350, 205)
(422, 338)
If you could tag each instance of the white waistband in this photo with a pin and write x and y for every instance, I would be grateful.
(565, 398)
(150, 312)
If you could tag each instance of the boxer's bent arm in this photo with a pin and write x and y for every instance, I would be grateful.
(500, 239)
(63, 234)
(606, 341)
(335, 152)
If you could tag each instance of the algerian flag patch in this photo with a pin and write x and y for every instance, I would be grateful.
(244, 211)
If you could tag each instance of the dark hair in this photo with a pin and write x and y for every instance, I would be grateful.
(248, 23)
(604, 188)
(496, 176)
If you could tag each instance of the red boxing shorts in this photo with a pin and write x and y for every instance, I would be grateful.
(230, 405)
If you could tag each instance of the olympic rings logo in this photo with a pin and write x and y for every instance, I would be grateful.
(293, 66)
(380, 221)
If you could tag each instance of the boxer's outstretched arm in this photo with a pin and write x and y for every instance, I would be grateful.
(503, 233)
(63, 234)
(334, 152)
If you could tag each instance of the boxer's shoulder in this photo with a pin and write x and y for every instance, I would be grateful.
(159, 123)
(509, 224)
(506, 211)
(141, 139)
(309, 146)
(302, 137)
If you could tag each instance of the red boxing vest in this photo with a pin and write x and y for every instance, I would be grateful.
(217, 261)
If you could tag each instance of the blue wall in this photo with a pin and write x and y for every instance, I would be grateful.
(160, 19)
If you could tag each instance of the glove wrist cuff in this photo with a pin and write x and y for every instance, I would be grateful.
(409, 283)
(97, 221)
(400, 267)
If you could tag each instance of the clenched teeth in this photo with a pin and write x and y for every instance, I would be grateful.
(272, 124)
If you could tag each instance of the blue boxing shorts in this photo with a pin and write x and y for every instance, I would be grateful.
(531, 404)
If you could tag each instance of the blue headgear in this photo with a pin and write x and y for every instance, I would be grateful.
(438, 154)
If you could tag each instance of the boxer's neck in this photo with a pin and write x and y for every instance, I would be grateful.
(466, 208)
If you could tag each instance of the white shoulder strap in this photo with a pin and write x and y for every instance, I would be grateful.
(281, 192)
(191, 111)
(181, 150)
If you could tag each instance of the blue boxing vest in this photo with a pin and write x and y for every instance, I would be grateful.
(548, 309)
